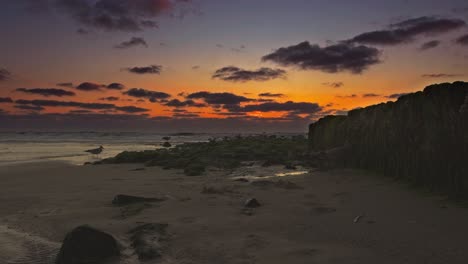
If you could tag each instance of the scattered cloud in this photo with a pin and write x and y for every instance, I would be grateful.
(89, 106)
(109, 98)
(131, 109)
(462, 40)
(115, 86)
(65, 84)
(152, 69)
(289, 106)
(4, 75)
(152, 96)
(429, 45)
(46, 91)
(29, 107)
(121, 15)
(333, 84)
(186, 103)
(89, 86)
(219, 98)
(367, 95)
(196, 67)
(271, 95)
(235, 74)
(396, 95)
(331, 59)
(441, 75)
(133, 42)
(6, 100)
(347, 96)
(406, 31)
(81, 31)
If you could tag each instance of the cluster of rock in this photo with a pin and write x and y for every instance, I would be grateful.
(421, 138)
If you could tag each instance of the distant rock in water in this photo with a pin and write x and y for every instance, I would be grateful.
(85, 245)
(422, 138)
(123, 199)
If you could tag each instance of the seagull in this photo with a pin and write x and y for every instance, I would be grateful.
(96, 151)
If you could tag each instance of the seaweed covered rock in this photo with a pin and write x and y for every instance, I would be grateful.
(421, 138)
(85, 245)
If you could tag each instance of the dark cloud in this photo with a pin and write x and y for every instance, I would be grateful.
(53, 103)
(441, 75)
(430, 45)
(463, 40)
(334, 84)
(294, 107)
(88, 86)
(80, 112)
(347, 96)
(131, 109)
(271, 95)
(65, 84)
(153, 96)
(29, 107)
(186, 103)
(235, 74)
(397, 95)
(115, 86)
(133, 42)
(152, 69)
(407, 30)
(220, 98)
(370, 95)
(220, 46)
(185, 115)
(332, 59)
(46, 91)
(82, 31)
(4, 75)
(117, 15)
(110, 99)
(196, 67)
(6, 100)
(91, 106)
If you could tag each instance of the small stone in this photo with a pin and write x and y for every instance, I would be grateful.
(252, 203)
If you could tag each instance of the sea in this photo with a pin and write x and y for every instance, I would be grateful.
(70, 147)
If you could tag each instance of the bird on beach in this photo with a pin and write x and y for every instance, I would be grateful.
(96, 151)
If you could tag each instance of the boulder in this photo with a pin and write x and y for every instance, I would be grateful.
(85, 244)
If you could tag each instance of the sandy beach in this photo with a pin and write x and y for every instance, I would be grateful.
(340, 216)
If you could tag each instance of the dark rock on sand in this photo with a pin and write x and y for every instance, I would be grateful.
(85, 244)
(147, 239)
(166, 145)
(122, 199)
(241, 180)
(252, 203)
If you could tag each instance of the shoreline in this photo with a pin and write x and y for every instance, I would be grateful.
(302, 218)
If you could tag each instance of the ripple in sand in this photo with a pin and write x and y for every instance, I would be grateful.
(21, 248)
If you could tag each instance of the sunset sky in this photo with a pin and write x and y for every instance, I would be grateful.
(215, 65)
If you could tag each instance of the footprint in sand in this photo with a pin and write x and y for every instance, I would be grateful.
(22, 248)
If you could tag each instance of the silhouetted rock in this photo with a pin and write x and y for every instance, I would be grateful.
(122, 199)
(86, 245)
(422, 138)
(166, 145)
(252, 203)
(147, 240)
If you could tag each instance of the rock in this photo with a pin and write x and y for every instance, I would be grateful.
(252, 203)
(146, 240)
(166, 138)
(122, 199)
(290, 167)
(166, 145)
(85, 244)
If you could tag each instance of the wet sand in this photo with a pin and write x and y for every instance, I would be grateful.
(341, 216)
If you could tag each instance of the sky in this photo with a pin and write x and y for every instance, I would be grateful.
(218, 66)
